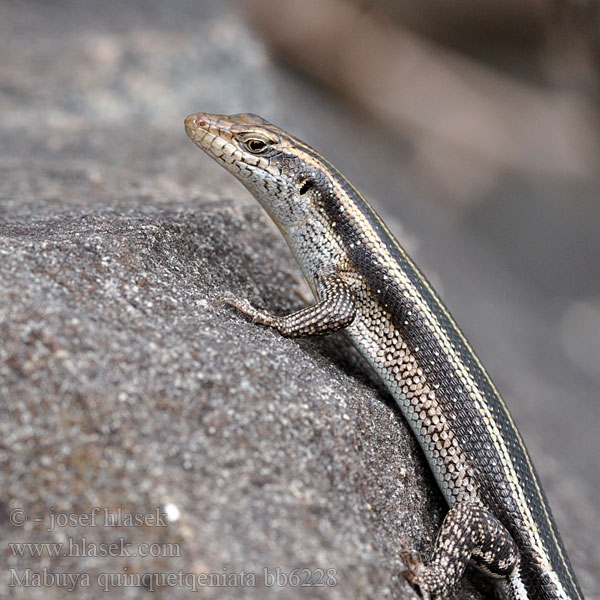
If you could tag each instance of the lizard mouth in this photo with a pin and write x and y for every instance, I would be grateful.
(197, 127)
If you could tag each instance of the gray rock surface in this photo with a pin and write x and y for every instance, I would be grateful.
(123, 381)
(126, 384)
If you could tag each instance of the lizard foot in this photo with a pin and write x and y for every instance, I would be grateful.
(257, 316)
(414, 571)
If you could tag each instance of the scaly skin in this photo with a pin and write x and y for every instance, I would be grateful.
(365, 283)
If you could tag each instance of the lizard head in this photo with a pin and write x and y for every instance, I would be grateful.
(277, 168)
(234, 140)
(246, 145)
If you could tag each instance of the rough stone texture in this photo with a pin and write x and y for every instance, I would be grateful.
(125, 384)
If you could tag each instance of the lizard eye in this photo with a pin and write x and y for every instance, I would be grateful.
(256, 145)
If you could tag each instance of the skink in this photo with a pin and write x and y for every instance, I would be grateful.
(365, 283)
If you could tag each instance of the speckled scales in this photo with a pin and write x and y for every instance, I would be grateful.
(499, 517)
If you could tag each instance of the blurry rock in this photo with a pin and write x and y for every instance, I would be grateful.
(127, 386)
(469, 122)
(579, 333)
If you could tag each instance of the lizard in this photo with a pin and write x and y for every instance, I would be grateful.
(365, 284)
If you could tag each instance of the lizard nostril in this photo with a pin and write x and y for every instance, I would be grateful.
(195, 120)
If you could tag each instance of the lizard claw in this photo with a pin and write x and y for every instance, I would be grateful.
(414, 569)
(242, 305)
(226, 298)
(239, 304)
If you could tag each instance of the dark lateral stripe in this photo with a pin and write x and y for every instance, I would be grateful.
(505, 506)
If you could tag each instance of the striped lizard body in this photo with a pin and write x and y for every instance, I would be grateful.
(365, 283)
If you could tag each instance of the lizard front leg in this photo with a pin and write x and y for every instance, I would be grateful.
(336, 310)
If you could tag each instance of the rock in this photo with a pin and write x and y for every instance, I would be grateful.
(127, 386)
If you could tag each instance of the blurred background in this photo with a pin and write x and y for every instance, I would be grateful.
(472, 127)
